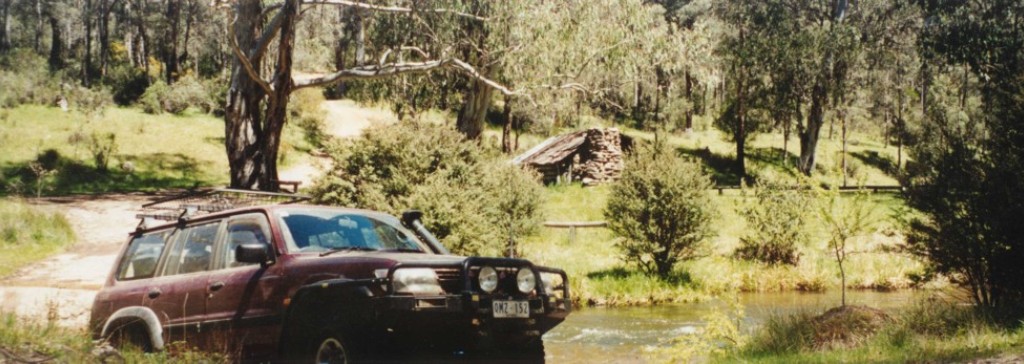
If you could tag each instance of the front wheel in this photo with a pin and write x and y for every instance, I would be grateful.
(331, 350)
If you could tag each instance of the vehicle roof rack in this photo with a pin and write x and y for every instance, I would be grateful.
(197, 202)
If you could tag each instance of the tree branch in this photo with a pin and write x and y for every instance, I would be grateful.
(385, 70)
(391, 9)
(255, 76)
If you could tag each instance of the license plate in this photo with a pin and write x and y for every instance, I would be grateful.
(511, 309)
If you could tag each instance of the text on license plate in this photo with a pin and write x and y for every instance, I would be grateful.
(511, 309)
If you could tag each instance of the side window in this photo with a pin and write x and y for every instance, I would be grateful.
(244, 229)
(193, 250)
(140, 259)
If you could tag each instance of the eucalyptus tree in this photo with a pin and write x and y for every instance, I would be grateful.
(262, 80)
(967, 172)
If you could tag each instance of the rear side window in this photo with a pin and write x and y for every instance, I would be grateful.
(193, 250)
(140, 259)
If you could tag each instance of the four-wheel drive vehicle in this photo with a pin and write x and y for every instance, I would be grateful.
(303, 283)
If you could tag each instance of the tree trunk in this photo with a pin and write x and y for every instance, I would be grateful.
(56, 60)
(173, 15)
(810, 133)
(5, 30)
(843, 125)
(474, 109)
(506, 131)
(689, 99)
(87, 56)
(243, 119)
(104, 31)
(40, 18)
(741, 126)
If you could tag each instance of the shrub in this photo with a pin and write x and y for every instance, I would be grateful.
(176, 98)
(26, 80)
(660, 209)
(776, 225)
(304, 109)
(433, 169)
(128, 83)
(103, 147)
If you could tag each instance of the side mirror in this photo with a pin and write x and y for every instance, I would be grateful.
(252, 253)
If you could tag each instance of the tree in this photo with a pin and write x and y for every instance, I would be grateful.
(661, 210)
(845, 219)
(968, 167)
(255, 113)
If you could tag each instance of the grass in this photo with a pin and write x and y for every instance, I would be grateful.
(599, 277)
(164, 151)
(931, 331)
(23, 340)
(28, 235)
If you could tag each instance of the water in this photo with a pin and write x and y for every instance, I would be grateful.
(622, 335)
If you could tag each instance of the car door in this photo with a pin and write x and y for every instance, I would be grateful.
(244, 301)
(178, 295)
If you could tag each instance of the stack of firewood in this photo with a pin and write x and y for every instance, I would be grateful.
(600, 157)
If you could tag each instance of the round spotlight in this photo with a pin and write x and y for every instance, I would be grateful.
(488, 279)
(526, 280)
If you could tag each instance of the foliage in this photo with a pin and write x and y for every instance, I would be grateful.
(661, 209)
(26, 80)
(305, 111)
(776, 225)
(967, 171)
(28, 234)
(33, 341)
(932, 330)
(721, 335)
(843, 220)
(128, 83)
(475, 205)
(103, 147)
(176, 98)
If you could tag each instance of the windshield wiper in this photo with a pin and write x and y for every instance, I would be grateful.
(347, 249)
(403, 250)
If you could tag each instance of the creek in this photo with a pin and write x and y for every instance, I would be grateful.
(625, 334)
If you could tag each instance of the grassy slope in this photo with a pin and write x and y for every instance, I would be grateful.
(27, 235)
(166, 150)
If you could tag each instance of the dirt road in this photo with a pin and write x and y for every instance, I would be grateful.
(62, 287)
(345, 119)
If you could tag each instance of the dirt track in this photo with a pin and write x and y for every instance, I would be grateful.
(62, 287)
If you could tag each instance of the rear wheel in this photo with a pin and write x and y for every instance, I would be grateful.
(331, 350)
(131, 336)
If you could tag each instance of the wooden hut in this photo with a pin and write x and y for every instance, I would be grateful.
(590, 156)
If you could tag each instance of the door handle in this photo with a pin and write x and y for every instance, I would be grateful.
(216, 286)
(154, 293)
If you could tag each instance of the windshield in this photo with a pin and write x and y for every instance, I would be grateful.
(326, 230)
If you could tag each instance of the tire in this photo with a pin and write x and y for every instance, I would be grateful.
(330, 349)
(131, 336)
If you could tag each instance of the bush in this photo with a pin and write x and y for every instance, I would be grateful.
(128, 83)
(177, 98)
(103, 147)
(469, 202)
(776, 225)
(26, 80)
(304, 109)
(661, 209)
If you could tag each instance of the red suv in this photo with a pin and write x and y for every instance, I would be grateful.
(311, 283)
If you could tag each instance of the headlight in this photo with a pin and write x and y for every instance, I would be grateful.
(488, 279)
(417, 281)
(526, 280)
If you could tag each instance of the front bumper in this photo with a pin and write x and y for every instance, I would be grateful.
(470, 312)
